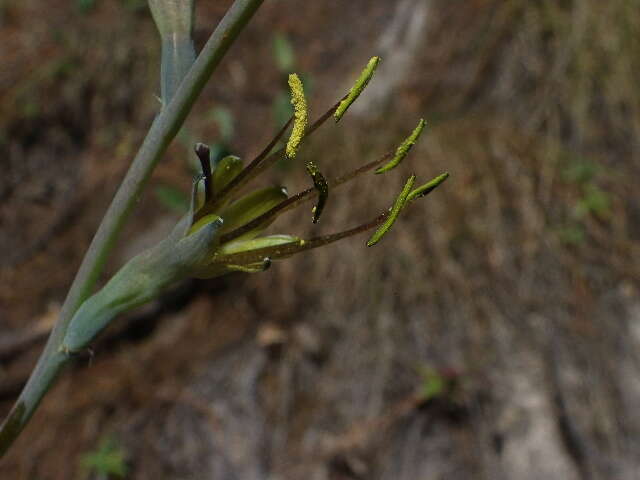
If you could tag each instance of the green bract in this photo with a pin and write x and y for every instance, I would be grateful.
(143, 278)
(174, 19)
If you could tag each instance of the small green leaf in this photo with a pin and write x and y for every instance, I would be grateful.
(108, 459)
(321, 186)
(398, 205)
(251, 206)
(433, 385)
(404, 148)
(595, 201)
(358, 87)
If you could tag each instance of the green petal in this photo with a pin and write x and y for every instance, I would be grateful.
(256, 243)
(251, 206)
(393, 215)
(226, 170)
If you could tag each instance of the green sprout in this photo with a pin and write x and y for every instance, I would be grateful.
(107, 460)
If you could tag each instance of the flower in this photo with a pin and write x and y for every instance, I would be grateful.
(222, 233)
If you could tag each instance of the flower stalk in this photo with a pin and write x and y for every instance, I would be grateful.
(162, 131)
(222, 232)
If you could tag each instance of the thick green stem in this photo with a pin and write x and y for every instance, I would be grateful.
(162, 131)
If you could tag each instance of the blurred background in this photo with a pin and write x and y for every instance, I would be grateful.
(493, 334)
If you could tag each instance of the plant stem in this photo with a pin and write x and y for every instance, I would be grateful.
(162, 131)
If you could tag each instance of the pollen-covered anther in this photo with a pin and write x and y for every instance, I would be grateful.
(300, 115)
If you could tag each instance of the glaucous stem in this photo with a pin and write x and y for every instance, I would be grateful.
(160, 135)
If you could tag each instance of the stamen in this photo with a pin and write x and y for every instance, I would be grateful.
(356, 90)
(253, 268)
(321, 186)
(250, 170)
(203, 153)
(398, 205)
(284, 248)
(291, 248)
(427, 188)
(300, 115)
(404, 148)
(267, 157)
(300, 198)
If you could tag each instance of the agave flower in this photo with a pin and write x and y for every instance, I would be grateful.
(223, 233)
